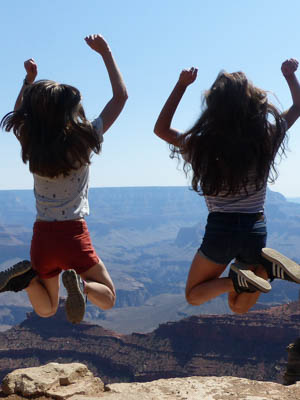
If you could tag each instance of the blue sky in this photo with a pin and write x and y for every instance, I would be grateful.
(152, 42)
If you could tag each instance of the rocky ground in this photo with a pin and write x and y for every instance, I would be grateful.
(76, 382)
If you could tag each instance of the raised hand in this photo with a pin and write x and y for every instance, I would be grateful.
(289, 66)
(113, 108)
(97, 43)
(188, 76)
(31, 70)
(288, 69)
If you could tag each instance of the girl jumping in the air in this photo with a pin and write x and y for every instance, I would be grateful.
(230, 150)
(57, 141)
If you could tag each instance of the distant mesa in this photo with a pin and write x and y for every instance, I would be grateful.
(34, 322)
(207, 345)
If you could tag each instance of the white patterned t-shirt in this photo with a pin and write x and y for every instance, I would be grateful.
(64, 198)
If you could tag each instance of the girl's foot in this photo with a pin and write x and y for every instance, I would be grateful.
(75, 303)
(245, 280)
(282, 267)
(17, 277)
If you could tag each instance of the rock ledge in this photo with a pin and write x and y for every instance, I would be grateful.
(58, 381)
(75, 382)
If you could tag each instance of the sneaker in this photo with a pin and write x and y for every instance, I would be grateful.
(245, 280)
(282, 267)
(17, 277)
(75, 303)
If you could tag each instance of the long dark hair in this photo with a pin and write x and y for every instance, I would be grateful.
(235, 140)
(51, 126)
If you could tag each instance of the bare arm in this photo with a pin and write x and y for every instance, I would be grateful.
(31, 73)
(162, 127)
(114, 107)
(288, 69)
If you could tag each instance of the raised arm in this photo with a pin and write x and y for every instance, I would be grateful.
(113, 108)
(288, 69)
(162, 127)
(31, 73)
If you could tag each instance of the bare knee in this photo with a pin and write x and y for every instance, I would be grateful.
(110, 302)
(43, 305)
(46, 313)
(238, 309)
(192, 299)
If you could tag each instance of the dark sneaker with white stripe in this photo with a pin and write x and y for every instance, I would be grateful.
(245, 280)
(75, 303)
(17, 277)
(280, 266)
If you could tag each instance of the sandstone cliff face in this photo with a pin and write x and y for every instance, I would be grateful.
(76, 382)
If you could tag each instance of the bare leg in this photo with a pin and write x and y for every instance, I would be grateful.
(99, 286)
(43, 295)
(203, 283)
(241, 303)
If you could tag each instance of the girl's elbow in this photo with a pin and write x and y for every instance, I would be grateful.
(157, 130)
(124, 96)
(120, 98)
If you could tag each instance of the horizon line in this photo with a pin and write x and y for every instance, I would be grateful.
(152, 186)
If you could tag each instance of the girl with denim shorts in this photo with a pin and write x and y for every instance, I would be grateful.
(230, 151)
(57, 140)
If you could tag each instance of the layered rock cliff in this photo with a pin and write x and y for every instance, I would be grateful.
(252, 346)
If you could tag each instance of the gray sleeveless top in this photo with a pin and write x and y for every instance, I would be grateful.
(251, 202)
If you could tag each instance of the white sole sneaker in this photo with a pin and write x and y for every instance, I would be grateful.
(246, 276)
(16, 270)
(75, 303)
(282, 265)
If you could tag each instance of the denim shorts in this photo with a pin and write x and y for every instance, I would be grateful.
(231, 236)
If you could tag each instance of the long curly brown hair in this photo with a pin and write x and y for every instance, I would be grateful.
(51, 126)
(235, 140)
